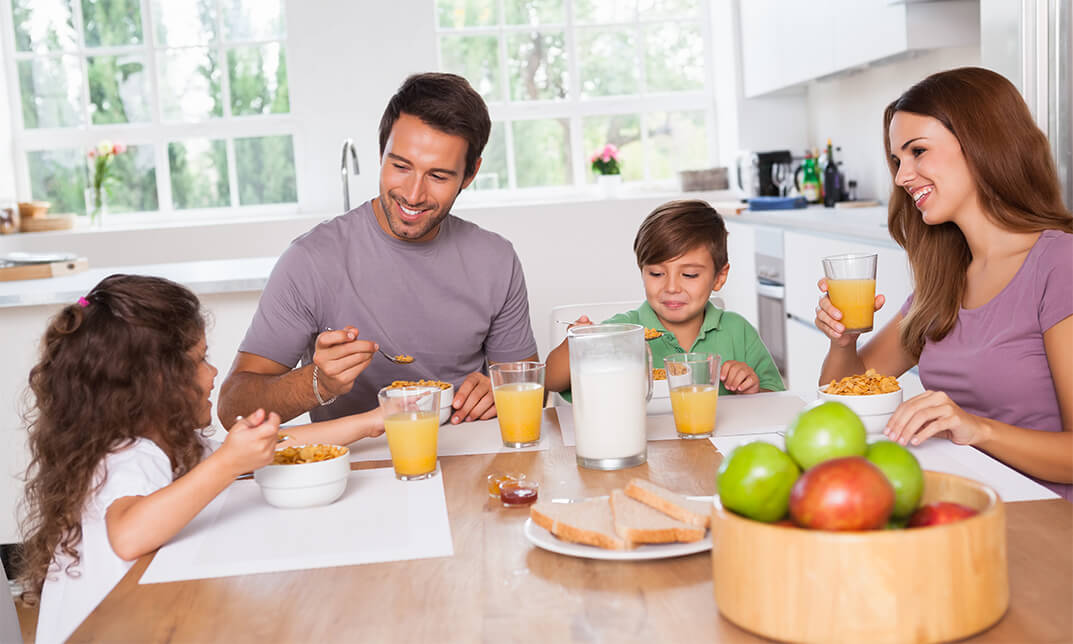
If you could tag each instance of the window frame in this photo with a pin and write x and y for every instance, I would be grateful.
(156, 131)
(574, 108)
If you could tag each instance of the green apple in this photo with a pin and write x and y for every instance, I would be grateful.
(825, 430)
(755, 481)
(904, 473)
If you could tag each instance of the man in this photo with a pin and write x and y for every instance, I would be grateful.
(400, 271)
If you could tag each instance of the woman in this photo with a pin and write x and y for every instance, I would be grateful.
(977, 207)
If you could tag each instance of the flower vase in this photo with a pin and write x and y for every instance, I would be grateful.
(96, 207)
(609, 184)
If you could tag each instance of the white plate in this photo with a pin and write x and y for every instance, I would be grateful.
(541, 538)
(20, 257)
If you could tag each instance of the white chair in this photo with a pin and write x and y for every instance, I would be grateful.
(597, 312)
(9, 617)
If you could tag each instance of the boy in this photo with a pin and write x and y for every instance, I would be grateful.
(682, 253)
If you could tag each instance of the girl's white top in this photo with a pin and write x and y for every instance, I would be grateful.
(66, 600)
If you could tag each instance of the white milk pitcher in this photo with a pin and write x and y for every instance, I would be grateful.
(611, 382)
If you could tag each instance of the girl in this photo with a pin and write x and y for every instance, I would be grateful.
(977, 207)
(119, 459)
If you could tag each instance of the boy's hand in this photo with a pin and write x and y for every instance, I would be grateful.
(251, 442)
(739, 377)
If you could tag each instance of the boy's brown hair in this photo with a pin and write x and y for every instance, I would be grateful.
(677, 227)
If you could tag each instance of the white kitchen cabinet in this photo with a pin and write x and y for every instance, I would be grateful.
(739, 292)
(806, 349)
(786, 43)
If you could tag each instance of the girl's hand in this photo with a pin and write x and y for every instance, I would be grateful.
(933, 413)
(739, 377)
(377, 428)
(251, 442)
(581, 321)
(828, 318)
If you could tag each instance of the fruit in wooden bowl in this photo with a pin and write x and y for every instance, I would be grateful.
(801, 585)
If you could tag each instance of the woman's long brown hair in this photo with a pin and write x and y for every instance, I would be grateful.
(1010, 161)
(111, 371)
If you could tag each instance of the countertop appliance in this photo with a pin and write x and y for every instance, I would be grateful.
(772, 166)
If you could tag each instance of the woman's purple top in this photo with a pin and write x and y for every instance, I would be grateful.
(993, 362)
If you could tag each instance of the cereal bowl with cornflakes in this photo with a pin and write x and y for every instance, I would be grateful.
(447, 393)
(871, 396)
(304, 476)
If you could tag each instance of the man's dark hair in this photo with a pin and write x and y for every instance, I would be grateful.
(446, 102)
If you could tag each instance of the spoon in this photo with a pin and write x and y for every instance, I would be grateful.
(402, 358)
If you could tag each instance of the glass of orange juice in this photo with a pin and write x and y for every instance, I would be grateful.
(412, 425)
(693, 379)
(851, 285)
(518, 388)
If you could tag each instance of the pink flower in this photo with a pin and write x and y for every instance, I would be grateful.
(92, 153)
(119, 148)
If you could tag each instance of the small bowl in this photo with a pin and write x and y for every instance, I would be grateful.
(446, 396)
(304, 485)
(874, 409)
(660, 403)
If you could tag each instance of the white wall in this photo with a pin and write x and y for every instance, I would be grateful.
(848, 109)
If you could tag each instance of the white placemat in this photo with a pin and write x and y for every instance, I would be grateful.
(378, 518)
(736, 415)
(941, 456)
(476, 437)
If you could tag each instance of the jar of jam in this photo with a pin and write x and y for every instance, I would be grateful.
(517, 494)
(496, 479)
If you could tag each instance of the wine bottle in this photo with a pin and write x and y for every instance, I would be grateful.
(832, 180)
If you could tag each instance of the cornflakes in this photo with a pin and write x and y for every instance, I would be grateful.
(652, 334)
(398, 384)
(659, 374)
(307, 454)
(404, 359)
(869, 383)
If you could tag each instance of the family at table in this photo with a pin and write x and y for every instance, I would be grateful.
(121, 461)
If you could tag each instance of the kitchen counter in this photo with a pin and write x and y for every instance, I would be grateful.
(856, 223)
(202, 277)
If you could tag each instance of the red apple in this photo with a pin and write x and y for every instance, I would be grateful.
(939, 513)
(842, 494)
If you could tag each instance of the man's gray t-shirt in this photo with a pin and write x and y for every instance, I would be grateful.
(450, 302)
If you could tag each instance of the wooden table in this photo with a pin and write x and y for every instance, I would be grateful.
(499, 588)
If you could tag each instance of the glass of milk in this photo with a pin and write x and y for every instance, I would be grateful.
(611, 382)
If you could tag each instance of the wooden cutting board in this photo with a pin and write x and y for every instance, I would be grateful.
(10, 271)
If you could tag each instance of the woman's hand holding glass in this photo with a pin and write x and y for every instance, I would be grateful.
(828, 318)
(933, 413)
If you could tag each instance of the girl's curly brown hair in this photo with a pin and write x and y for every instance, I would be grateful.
(112, 369)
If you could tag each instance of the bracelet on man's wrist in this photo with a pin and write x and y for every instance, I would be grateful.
(316, 390)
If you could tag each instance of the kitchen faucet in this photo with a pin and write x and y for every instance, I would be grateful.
(348, 145)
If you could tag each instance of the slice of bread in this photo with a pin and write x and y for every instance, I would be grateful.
(586, 522)
(695, 513)
(639, 523)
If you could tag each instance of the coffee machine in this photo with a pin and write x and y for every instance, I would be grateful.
(768, 165)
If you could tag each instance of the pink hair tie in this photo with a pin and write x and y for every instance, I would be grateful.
(83, 302)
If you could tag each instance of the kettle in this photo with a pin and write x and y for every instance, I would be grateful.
(747, 179)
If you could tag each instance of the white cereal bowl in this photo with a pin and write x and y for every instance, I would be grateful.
(446, 396)
(660, 403)
(304, 485)
(874, 409)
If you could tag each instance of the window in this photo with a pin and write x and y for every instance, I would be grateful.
(197, 91)
(564, 77)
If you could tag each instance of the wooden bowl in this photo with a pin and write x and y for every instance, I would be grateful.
(929, 584)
